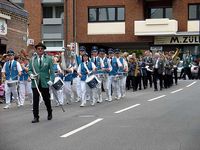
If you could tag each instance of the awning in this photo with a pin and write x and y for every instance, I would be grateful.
(188, 33)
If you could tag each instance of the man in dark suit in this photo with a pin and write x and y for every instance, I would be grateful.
(158, 71)
(42, 75)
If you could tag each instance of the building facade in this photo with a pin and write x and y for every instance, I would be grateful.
(125, 24)
(46, 22)
(13, 27)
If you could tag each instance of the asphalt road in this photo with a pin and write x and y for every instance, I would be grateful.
(143, 120)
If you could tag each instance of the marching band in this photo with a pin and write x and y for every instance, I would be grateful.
(84, 78)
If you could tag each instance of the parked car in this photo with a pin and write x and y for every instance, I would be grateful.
(193, 67)
(179, 68)
(194, 70)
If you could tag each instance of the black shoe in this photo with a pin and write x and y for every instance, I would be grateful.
(35, 120)
(155, 89)
(49, 117)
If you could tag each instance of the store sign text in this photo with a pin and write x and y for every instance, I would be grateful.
(177, 40)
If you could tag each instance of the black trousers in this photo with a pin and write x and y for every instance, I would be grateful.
(36, 100)
(175, 75)
(149, 78)
(157, 76)
(129, 81)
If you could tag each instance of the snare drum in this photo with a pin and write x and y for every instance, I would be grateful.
(118, 77)
(12, 83)
(100, 76)
(58, 83)
(92, 81)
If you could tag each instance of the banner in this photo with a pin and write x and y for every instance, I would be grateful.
(3, 27)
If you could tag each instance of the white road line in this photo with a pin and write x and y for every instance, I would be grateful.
(81, 128)
(176, 91)
(191, 84)
(122, 110)
(153, 99)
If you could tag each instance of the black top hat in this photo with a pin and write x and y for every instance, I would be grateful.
(40, 45)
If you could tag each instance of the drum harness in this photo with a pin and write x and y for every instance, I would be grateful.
(90, 73)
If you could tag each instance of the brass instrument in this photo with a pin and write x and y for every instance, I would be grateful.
(175, 58)
(136, 68)
(69, 52)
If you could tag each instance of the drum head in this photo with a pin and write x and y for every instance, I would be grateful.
(89, 78)
(58, 83)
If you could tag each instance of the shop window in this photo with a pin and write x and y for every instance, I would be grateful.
(160, 13)
(194, 12)
(110, 14)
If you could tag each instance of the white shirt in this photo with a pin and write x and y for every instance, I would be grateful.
(19, 68)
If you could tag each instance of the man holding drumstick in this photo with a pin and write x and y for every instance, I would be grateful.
(11, 71)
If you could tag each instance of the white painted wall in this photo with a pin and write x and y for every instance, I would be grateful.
(106, 28)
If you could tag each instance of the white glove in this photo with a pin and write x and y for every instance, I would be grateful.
(32, 76)
(50, 83)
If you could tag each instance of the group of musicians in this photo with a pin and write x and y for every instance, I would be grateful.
(85, 77)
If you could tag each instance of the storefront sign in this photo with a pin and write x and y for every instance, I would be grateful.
(187, 39)
(3, 27)
(156, 48)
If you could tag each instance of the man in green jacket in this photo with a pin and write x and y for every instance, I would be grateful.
(42, 75)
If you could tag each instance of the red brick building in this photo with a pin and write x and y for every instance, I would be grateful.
(13, 26)
(126, 24)
(137, 24)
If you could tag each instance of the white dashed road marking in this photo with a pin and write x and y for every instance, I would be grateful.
(122, 110)
(153, 99)
(176, 91)
(81, 128)
(191, 84)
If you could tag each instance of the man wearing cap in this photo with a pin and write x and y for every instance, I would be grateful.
(113, 75)
(11, 71)
(105, 71)
(84, 70)
(77, 81)
(99, 65)
(42, 75)
(123, 69)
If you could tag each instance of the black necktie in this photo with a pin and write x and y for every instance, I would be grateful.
(40, 61)
(95, 61)
(10, 65)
